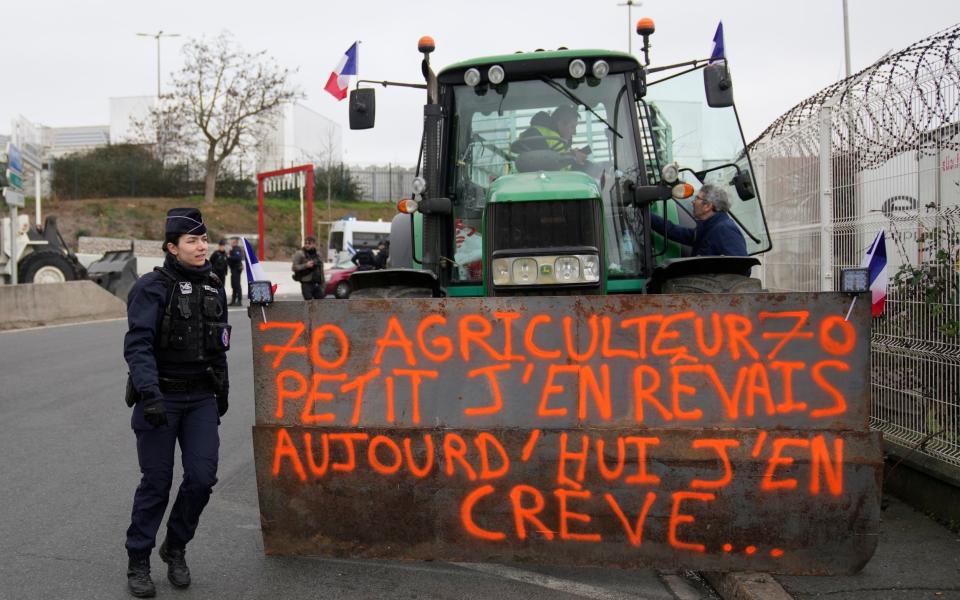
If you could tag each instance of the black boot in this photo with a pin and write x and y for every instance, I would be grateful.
(138, 578)
(177, 571)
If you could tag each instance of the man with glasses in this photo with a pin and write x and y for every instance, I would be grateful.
(716, 234)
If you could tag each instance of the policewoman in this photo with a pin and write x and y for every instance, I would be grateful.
(175, 350)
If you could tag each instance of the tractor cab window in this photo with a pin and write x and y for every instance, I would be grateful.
(535, 125)
(706, 143)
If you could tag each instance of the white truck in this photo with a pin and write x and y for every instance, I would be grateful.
(346, 236)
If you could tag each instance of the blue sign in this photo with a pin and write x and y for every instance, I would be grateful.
(14, 179)
(14, 159)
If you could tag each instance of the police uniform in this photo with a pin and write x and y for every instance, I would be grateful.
(220, 262)
(235, 260)
(175, 350)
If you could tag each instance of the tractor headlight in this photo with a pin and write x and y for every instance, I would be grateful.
(578, 68)
(567, 269)
(419, 184)
(495, 74)
(524, 271)
(501, 271)
(670, 174)
(600, 69)
(591, 268)
(546, 270)
(471, 77)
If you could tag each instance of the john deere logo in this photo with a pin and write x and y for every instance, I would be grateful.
(546, 270)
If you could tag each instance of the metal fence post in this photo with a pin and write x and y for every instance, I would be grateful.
(826, 196)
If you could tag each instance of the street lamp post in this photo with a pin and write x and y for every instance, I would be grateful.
(630, 4)
(157, 37)
(846, 38)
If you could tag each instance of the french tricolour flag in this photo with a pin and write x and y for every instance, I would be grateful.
(876, 262)
(339, 79)
(254, 268)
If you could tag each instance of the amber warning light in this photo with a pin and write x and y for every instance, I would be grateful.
(682, 190)
(645, 26)
(407, 206)
(426, 44)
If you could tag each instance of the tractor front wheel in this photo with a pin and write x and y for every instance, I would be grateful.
(46, 267)
(712, 283)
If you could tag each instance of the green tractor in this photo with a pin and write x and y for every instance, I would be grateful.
(502, 212)
(490, 216)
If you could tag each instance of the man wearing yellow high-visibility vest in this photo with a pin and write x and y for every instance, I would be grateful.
(552, 132)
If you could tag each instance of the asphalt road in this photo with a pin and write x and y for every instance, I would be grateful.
(69, 470)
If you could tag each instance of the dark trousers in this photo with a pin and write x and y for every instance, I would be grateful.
(235, 286)
(193, 422)
(223, 277)
(311, 290)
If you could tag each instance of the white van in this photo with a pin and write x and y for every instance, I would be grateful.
(349, 235)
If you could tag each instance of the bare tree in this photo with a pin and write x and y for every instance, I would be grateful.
(226, 95)
(325, 160)
(172, 139)
(329, 156)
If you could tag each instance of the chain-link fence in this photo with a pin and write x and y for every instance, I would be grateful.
(881, 150)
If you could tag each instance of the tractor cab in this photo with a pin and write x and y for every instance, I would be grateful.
(541, 170)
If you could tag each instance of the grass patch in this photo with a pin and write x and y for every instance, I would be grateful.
(144, 218)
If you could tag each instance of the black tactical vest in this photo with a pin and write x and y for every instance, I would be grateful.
(193, 327)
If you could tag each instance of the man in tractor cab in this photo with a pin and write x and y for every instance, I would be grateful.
(552, 132)
(716, 234)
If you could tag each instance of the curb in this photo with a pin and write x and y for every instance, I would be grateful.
(747, 586)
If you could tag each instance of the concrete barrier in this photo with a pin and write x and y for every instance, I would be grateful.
(278, 272)
(34, 305)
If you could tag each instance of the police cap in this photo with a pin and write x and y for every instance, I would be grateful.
(185, 221)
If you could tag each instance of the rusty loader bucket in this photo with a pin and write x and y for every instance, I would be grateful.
(711, 432)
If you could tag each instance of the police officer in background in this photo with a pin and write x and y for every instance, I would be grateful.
(175, 349)
(235, 260)
(219, 261)
(364, 259)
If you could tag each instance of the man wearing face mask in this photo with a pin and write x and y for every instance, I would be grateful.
(175, 348)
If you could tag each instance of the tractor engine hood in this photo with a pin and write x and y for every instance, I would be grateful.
(544, 185)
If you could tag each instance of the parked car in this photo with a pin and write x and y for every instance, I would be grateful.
(338, 279)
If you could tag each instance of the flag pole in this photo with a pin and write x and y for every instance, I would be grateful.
(850, 310)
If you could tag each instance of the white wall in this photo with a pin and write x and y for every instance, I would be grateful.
(299, 135)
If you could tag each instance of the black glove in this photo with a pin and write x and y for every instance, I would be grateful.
(221, 389)
(154, 412)
(222, 404)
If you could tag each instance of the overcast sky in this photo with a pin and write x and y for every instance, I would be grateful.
(64, 59)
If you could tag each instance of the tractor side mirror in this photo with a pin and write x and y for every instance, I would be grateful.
(744, 185)
(363, 108)
(717, 85)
